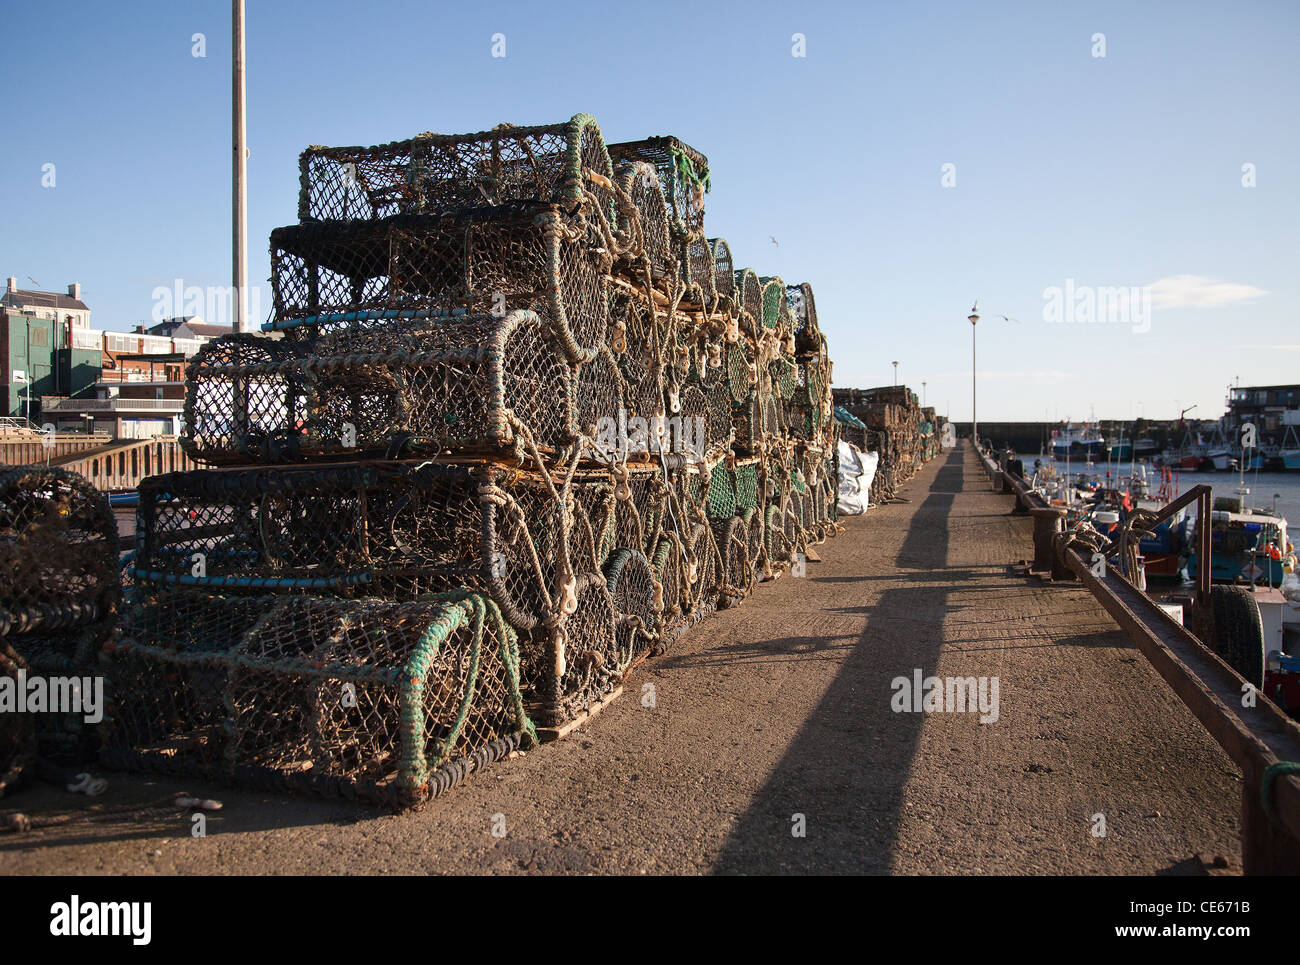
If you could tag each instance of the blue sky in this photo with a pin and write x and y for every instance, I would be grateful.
(1103, 172)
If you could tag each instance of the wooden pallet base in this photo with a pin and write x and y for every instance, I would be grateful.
(548, 734)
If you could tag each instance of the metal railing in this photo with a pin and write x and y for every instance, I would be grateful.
(1249, 727)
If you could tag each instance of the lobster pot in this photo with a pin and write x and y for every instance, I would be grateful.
(803, 310)
(719, 431)
(17, 731)
(437, 172)
(739, 364)
(759, 417)
(697, 266)
(748, 420)
(732, 491)
(683, 172)
(349, 275)
(776, 308)
(784, 374)
(749, 300)
(810, 412)
(385, 702)
(567, 670)
(396, 530)
(647, 231)
(640, 332)
(59, 585)
(724, 272)
(630, 516)
(638, 604)
(731, 536)
(415, 385)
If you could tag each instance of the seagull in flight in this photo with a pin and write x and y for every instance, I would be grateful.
(775, 242)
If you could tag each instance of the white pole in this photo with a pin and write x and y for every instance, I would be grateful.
(240, 173)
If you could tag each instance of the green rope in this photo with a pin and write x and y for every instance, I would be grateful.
(1271, 774)
(684, 167)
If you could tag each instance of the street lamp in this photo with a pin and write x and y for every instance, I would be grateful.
(973, 317)
(895, 364)
(923, 392)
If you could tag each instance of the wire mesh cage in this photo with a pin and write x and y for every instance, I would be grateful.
(724, 273)
(579, 663)
(434, 172)
(473, 384)
(396, 530)
(59, 586)
(17, 731)
(386, 702)
(477, 261)
(683, 171)
(749, 300)
(776, 307)
(697, 274)
(668, 564)
(638, 603)
(803, 309)
(653, 237)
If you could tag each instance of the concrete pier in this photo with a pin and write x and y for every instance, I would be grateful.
(769, 743)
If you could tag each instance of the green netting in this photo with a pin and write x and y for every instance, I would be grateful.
(746, 485)
(721, 500)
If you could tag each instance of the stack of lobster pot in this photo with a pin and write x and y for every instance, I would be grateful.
(906, 435)
(511, 401)
(59, 598)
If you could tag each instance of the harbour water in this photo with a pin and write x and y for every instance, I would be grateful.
(1263, 486)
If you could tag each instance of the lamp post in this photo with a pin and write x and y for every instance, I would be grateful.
(973, 317)
(239, 135)
(923, 392)
(895, 364)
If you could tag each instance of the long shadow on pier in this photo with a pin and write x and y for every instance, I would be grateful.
(846, 770)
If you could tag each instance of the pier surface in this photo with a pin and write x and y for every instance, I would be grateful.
(780, 708)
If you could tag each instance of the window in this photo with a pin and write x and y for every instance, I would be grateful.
(88, 339)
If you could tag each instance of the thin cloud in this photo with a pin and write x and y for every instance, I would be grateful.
(1197, 291)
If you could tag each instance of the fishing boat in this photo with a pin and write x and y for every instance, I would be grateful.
(1076, 442)
(1220, 452)
(1190, 455)
(1246, 546)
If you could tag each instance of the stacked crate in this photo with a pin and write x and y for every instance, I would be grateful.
(510, 398)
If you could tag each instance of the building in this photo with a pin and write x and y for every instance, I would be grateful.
(64, 373)
(44, 346)
(1272, 408)
(67, 308)
(141, 396)
(189, 327)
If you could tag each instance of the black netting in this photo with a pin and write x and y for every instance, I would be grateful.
(59, 585)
